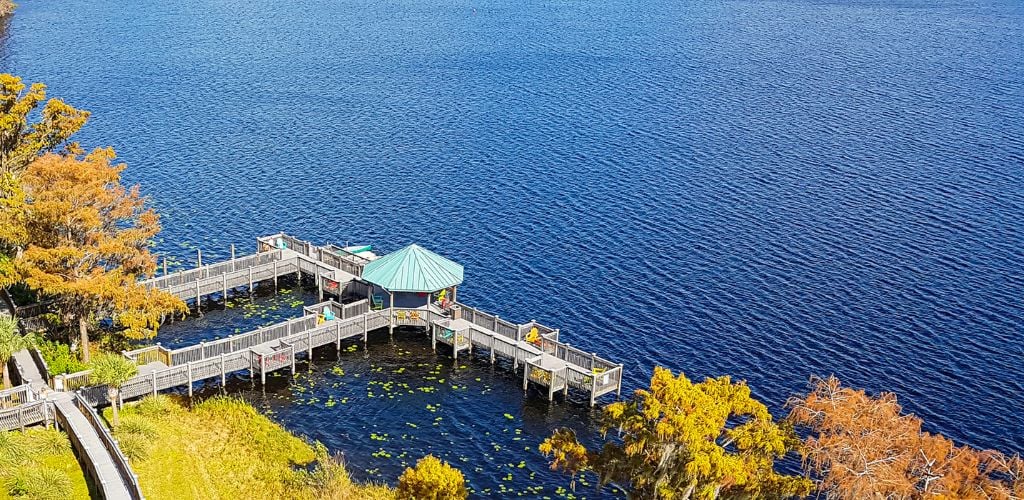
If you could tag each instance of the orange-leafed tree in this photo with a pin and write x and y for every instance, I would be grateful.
(89, 239)
(681, 440)
(862, 446)
(22, 140)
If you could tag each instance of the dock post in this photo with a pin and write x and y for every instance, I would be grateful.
(470, 338)
(365, 330)
(199, 258)
(199, 299)
(223, 372)
(165, 265)
(495, 329)
(593, 360)
(189, 380)
(292, 348)
(618, 388)
(433, 339)
(593, 387)
(232, 256)
(263, 369)
(275, 276)
(250, 281)
(224, 287)
(154, 383)
(320, 286)
(337, 331)
(309, 347)
(492, 349)
(526, 379)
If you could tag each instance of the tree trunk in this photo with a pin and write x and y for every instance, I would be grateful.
(83, 333)
(112, 396)
(7, 375)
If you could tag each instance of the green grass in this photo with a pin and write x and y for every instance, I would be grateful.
(223, 448)
(39, 464)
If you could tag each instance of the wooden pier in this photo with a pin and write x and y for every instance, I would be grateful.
(354, 311)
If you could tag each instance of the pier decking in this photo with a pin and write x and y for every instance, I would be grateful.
(545, 359)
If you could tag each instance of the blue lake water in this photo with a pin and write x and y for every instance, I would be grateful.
(766, 189)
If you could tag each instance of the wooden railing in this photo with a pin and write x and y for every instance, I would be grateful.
(24, 415)
(15, 396)
(212, 270)
(120, 460)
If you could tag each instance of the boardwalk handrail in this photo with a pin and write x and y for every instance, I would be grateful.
(18, 395)
(212, 270)
(120, 460)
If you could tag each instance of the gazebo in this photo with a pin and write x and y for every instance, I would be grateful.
(412, 278)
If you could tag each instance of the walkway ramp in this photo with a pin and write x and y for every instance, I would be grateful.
(100, 461)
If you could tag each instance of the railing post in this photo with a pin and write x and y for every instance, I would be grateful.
(232, 256)
(202, 349)
(21, 418)
(495, 329)
(223, 372)
(593, 387)
(199, 258)
(224, 286)
(189, 365)
(593, 360)
(618, 390)
(154, 382)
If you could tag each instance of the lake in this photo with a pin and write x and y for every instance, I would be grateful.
(765, 189)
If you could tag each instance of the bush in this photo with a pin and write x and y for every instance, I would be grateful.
(134, 446)
(431, 479)
(40, 484)
(156, 406)
(136, 424)
(59, 358)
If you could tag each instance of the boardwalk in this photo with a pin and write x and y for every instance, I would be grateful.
(545, 359)
(34, 402)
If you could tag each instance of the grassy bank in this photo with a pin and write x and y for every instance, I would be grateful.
(39, 464)
(223, 448)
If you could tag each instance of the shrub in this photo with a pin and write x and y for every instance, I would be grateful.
(49, 442)
(135, 424)
(431, 479)
(134, 446)
(59, 358)
(156, 406)
(40, 484)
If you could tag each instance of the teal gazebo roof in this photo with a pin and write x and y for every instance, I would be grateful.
(413, 269)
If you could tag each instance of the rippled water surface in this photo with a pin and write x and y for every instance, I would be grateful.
(763, 189)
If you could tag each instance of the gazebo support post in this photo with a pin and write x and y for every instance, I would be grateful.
(391, 320)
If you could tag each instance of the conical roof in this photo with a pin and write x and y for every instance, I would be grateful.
(413, 269)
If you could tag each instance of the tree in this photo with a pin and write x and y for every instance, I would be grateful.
(863, 446)
(89, 241)
(11, 341)
(20, 141)
(682, 440)
(432, 479)
(113, 370)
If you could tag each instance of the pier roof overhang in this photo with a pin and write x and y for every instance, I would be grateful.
(413, 269)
